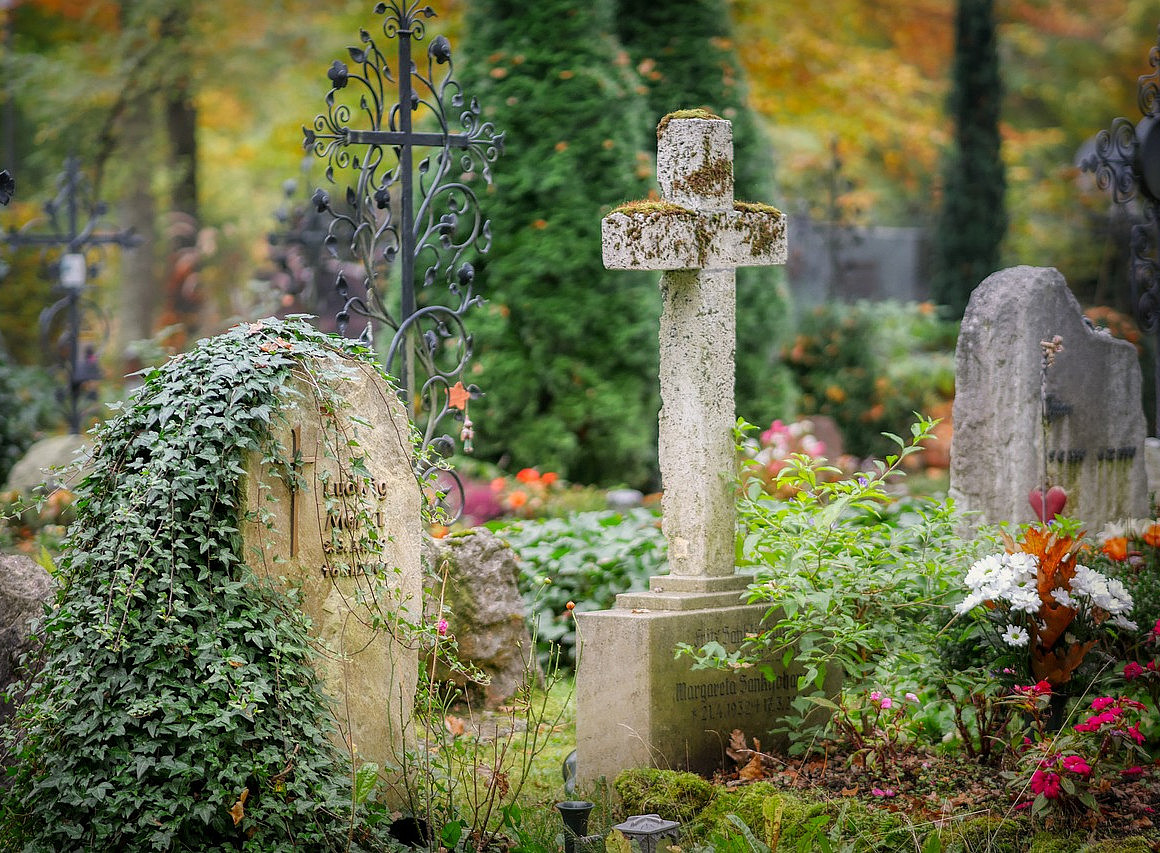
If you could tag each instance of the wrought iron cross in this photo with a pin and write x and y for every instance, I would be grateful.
(74, 219)
(7, 187)
(1127, 159)
(438, 220)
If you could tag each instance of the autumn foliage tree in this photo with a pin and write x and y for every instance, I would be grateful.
(973, 218)
(566, 351)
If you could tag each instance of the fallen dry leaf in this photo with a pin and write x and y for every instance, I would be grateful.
(753, 770)
(238, 810)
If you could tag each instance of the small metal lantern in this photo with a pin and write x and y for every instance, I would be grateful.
(648, 830)
(575, 816)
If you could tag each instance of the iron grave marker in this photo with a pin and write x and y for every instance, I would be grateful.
(636, 704)
(345, 533)
(1085, 424)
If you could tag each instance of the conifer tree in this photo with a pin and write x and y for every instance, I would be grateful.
(685, 53)
(973, 218)
(566, 351)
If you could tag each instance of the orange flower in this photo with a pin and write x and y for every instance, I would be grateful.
(517, 499)
(528, 475)
(1116, 548)
(1152, 535)
(438, 531)
(497, 484)
(548, 478)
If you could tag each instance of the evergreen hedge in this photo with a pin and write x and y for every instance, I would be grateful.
(566, 352)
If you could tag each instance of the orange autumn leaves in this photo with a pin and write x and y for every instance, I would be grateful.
(1057, 566)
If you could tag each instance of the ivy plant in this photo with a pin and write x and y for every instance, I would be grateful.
(176, 706)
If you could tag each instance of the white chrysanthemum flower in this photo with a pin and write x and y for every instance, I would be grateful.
(1119, 599)
(1115, 530)
(1124, 622)
(969, 603)
(1015, 636)
(1064, 597)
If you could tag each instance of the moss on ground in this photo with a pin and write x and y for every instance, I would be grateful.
(673, 796)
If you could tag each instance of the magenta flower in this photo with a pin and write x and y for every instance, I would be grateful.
(1102, 702)
(1046, 783)
(887, 702)
(882, 792)
(1135, 734)
(1133, 671)
(1132, 772)
(442, 627)
(1076, 764)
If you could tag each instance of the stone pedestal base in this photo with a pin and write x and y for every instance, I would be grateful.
(637, 706)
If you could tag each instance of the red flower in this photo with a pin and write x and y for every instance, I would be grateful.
(1076, 764)
(1133, 671)
(1046, 783)
(528, 475)
(548, 478)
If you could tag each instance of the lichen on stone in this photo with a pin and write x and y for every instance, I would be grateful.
(649, 206)
(700, 113)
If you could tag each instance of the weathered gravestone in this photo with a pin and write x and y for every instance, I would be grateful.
(348, 541)
(1090, 429)
(636, 704)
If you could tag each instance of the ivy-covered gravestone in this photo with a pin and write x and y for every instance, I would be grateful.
(249, 523)
(343, 532)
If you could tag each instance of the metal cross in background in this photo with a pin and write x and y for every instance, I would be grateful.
(1127, 159)
(438, 218)
(74, 218)
(7, 187)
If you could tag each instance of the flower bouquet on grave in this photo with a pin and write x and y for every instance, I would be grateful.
(1038, 597)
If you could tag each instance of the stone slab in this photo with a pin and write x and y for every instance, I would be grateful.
(1095, 432)
(349, 546)
(675, 238)
(49, 463)
(639, 706)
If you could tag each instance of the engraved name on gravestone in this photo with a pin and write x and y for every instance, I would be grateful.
(636, 704)
(1093, 445)
(348, 541)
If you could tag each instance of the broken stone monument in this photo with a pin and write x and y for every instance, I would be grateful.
(636, 704)
(475, 575)
(1085, 427)
(346, 539)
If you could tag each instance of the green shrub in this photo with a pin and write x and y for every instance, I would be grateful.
(566, 351)
(871, 366)
(27, 406)
(586, 559)
(174, 685)
(860, 580)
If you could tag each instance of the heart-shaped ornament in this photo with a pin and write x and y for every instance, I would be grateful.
(1050, 505)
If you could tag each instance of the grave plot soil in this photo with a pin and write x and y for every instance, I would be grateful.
(937, 788)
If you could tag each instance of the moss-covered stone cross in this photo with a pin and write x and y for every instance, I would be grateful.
(697, 235)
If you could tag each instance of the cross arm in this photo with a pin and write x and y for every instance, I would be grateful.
(665, 236)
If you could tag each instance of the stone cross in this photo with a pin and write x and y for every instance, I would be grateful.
(697, 235)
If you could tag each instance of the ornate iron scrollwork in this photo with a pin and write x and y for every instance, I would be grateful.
(394, 224)
(1127, 161)
(73, 217)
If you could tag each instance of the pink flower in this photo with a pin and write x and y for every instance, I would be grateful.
(1102, 702)
(1135, 734)
(882, 792)
(1132, 772)
(911, 697)
(1076, 764)
(442, 627)
(875, 695)
(1133, 671)
(1091, 724)
(1046, 783)
(1156, 630)
(887, 702)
